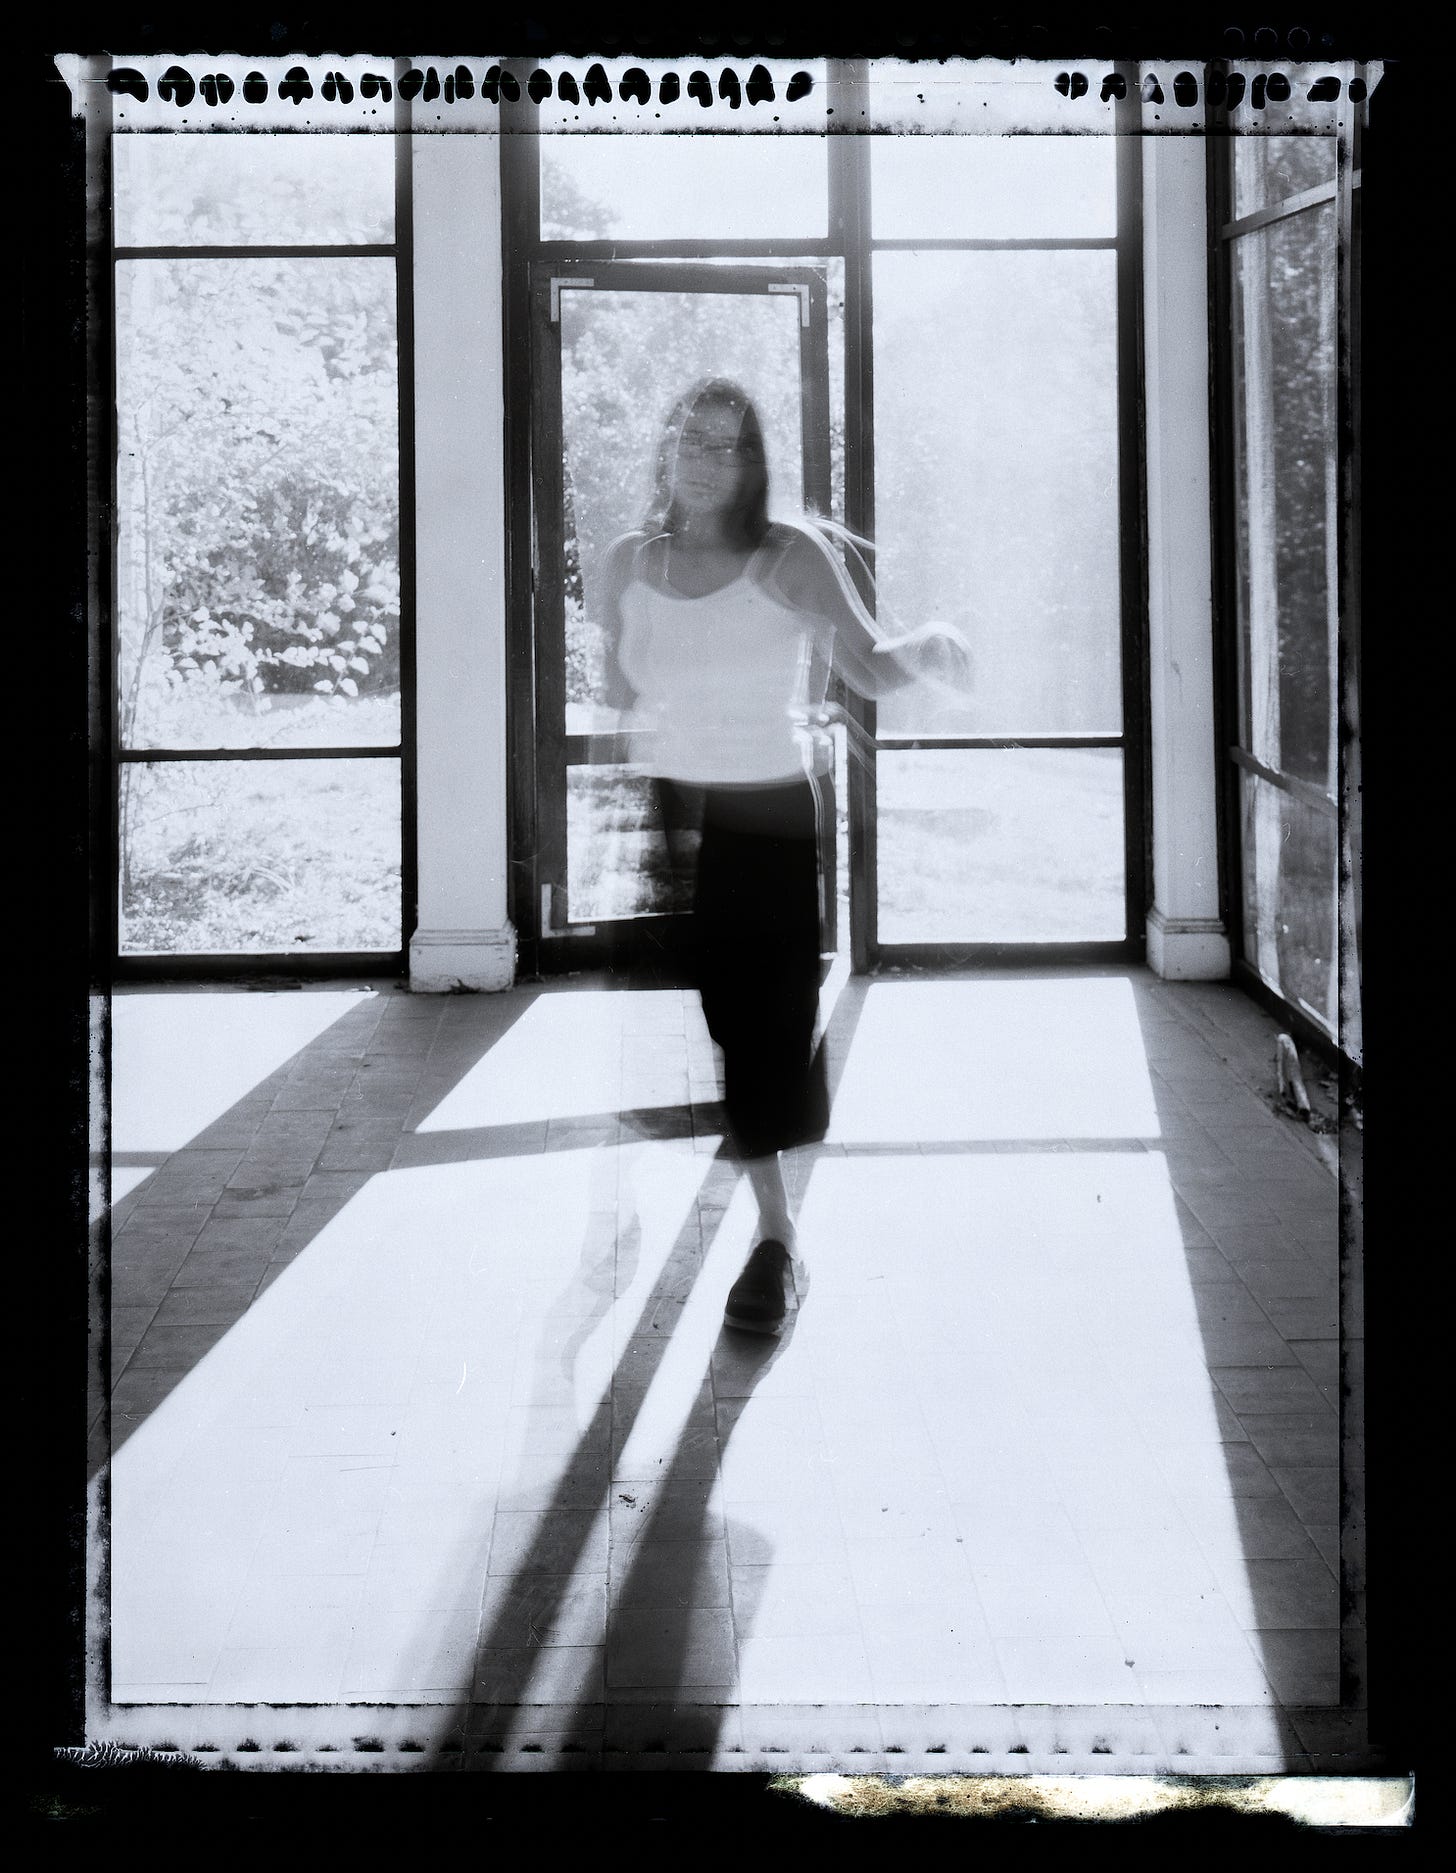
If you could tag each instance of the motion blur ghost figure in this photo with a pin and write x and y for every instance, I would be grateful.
(723, 629)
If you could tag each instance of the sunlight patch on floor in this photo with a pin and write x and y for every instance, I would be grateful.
(179, 1061)
(996, 1060)
(1026, 1328)
(349, 1437)
(125, 1178)
(564, 1059)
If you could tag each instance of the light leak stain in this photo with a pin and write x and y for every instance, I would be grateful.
(1308, 1801)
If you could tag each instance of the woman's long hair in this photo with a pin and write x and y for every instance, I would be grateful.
(747, 517)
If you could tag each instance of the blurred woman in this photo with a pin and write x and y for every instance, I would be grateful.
(722, 630)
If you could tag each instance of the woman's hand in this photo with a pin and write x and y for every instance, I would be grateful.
(945, 660)
(939, 656)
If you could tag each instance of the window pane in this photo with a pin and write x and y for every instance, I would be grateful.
(626, 357)
(1271, 169)
(258, 503)
(996, 493)
(1001, 845)
(992, 188)
(1283, 353)
(659, 187)
(618, 862)
(259, 856)
(1289, 896)
(268, 189)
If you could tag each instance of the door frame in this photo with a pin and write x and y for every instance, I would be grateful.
(650, 941)
(849, 239)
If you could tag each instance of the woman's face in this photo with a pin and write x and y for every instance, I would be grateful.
(708, 468)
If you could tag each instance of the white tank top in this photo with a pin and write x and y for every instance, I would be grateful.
(724, 682)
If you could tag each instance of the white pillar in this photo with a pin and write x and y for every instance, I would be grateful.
(464, 938)
(1186, 935)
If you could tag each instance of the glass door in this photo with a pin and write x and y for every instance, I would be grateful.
(1000, 404)
(615, 345)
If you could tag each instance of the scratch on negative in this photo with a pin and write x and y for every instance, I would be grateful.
(464, 1368)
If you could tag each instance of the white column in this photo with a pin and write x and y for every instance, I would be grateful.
(1186, 936)
(464, 938)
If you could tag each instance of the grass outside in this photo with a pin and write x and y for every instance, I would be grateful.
(974, 846)
(260, 857)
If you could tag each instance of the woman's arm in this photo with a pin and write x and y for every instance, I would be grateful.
(870, 664)
(618, 695)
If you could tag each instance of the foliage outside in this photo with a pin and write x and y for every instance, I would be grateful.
(258, 593)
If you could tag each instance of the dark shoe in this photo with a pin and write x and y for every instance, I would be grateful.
(757, 1301)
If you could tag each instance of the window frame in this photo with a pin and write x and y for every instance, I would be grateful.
(1234, 760)
(849, 239)
(226, 965)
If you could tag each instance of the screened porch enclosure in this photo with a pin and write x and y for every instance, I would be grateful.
(938, 362)
(411, 1384)
(258, 713)
(949, 338)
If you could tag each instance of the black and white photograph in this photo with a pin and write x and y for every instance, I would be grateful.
(725, 1107)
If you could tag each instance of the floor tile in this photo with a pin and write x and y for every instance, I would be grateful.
(822, 1668)
(1313, 1491)
(524, 1544)
(786, 1601)
(1263, 1529)
(1066, 1671)
(544, 1674)
(1271, 1596)
(1300, 1318)
(992, 1480)
(671, 1574)
(1303, 1667)
(671, 1646)
(896, 1570)
(1294, 1438)
(1273, 1388)
(1031, 1602)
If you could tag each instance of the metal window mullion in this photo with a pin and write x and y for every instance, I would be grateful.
(1303, 790)
(817, 478)
(101, 289)
(548, 589)
(1346, 761)
(404, 335)
(595, 750)
(234, 965)
(850, 199)
(1279, 211)
(1228, 711)
(778, 247)
(1348, 1034)
(342, 250)
(390, 751)
(520, 240)
(1011, 244)
(1133, 609)
(743, 281)
(905, 744)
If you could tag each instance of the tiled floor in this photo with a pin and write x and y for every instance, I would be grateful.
(422, 1397)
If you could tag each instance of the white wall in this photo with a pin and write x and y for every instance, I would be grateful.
(464, 937)
(1186, 936)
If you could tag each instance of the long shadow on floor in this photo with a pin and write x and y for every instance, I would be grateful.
(1265, 1288)
(185, 1255)
(569, 1641)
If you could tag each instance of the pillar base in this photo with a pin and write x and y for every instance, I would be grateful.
(444, 960)
(1188, 949)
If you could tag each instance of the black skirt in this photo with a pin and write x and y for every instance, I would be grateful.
(754, 882)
